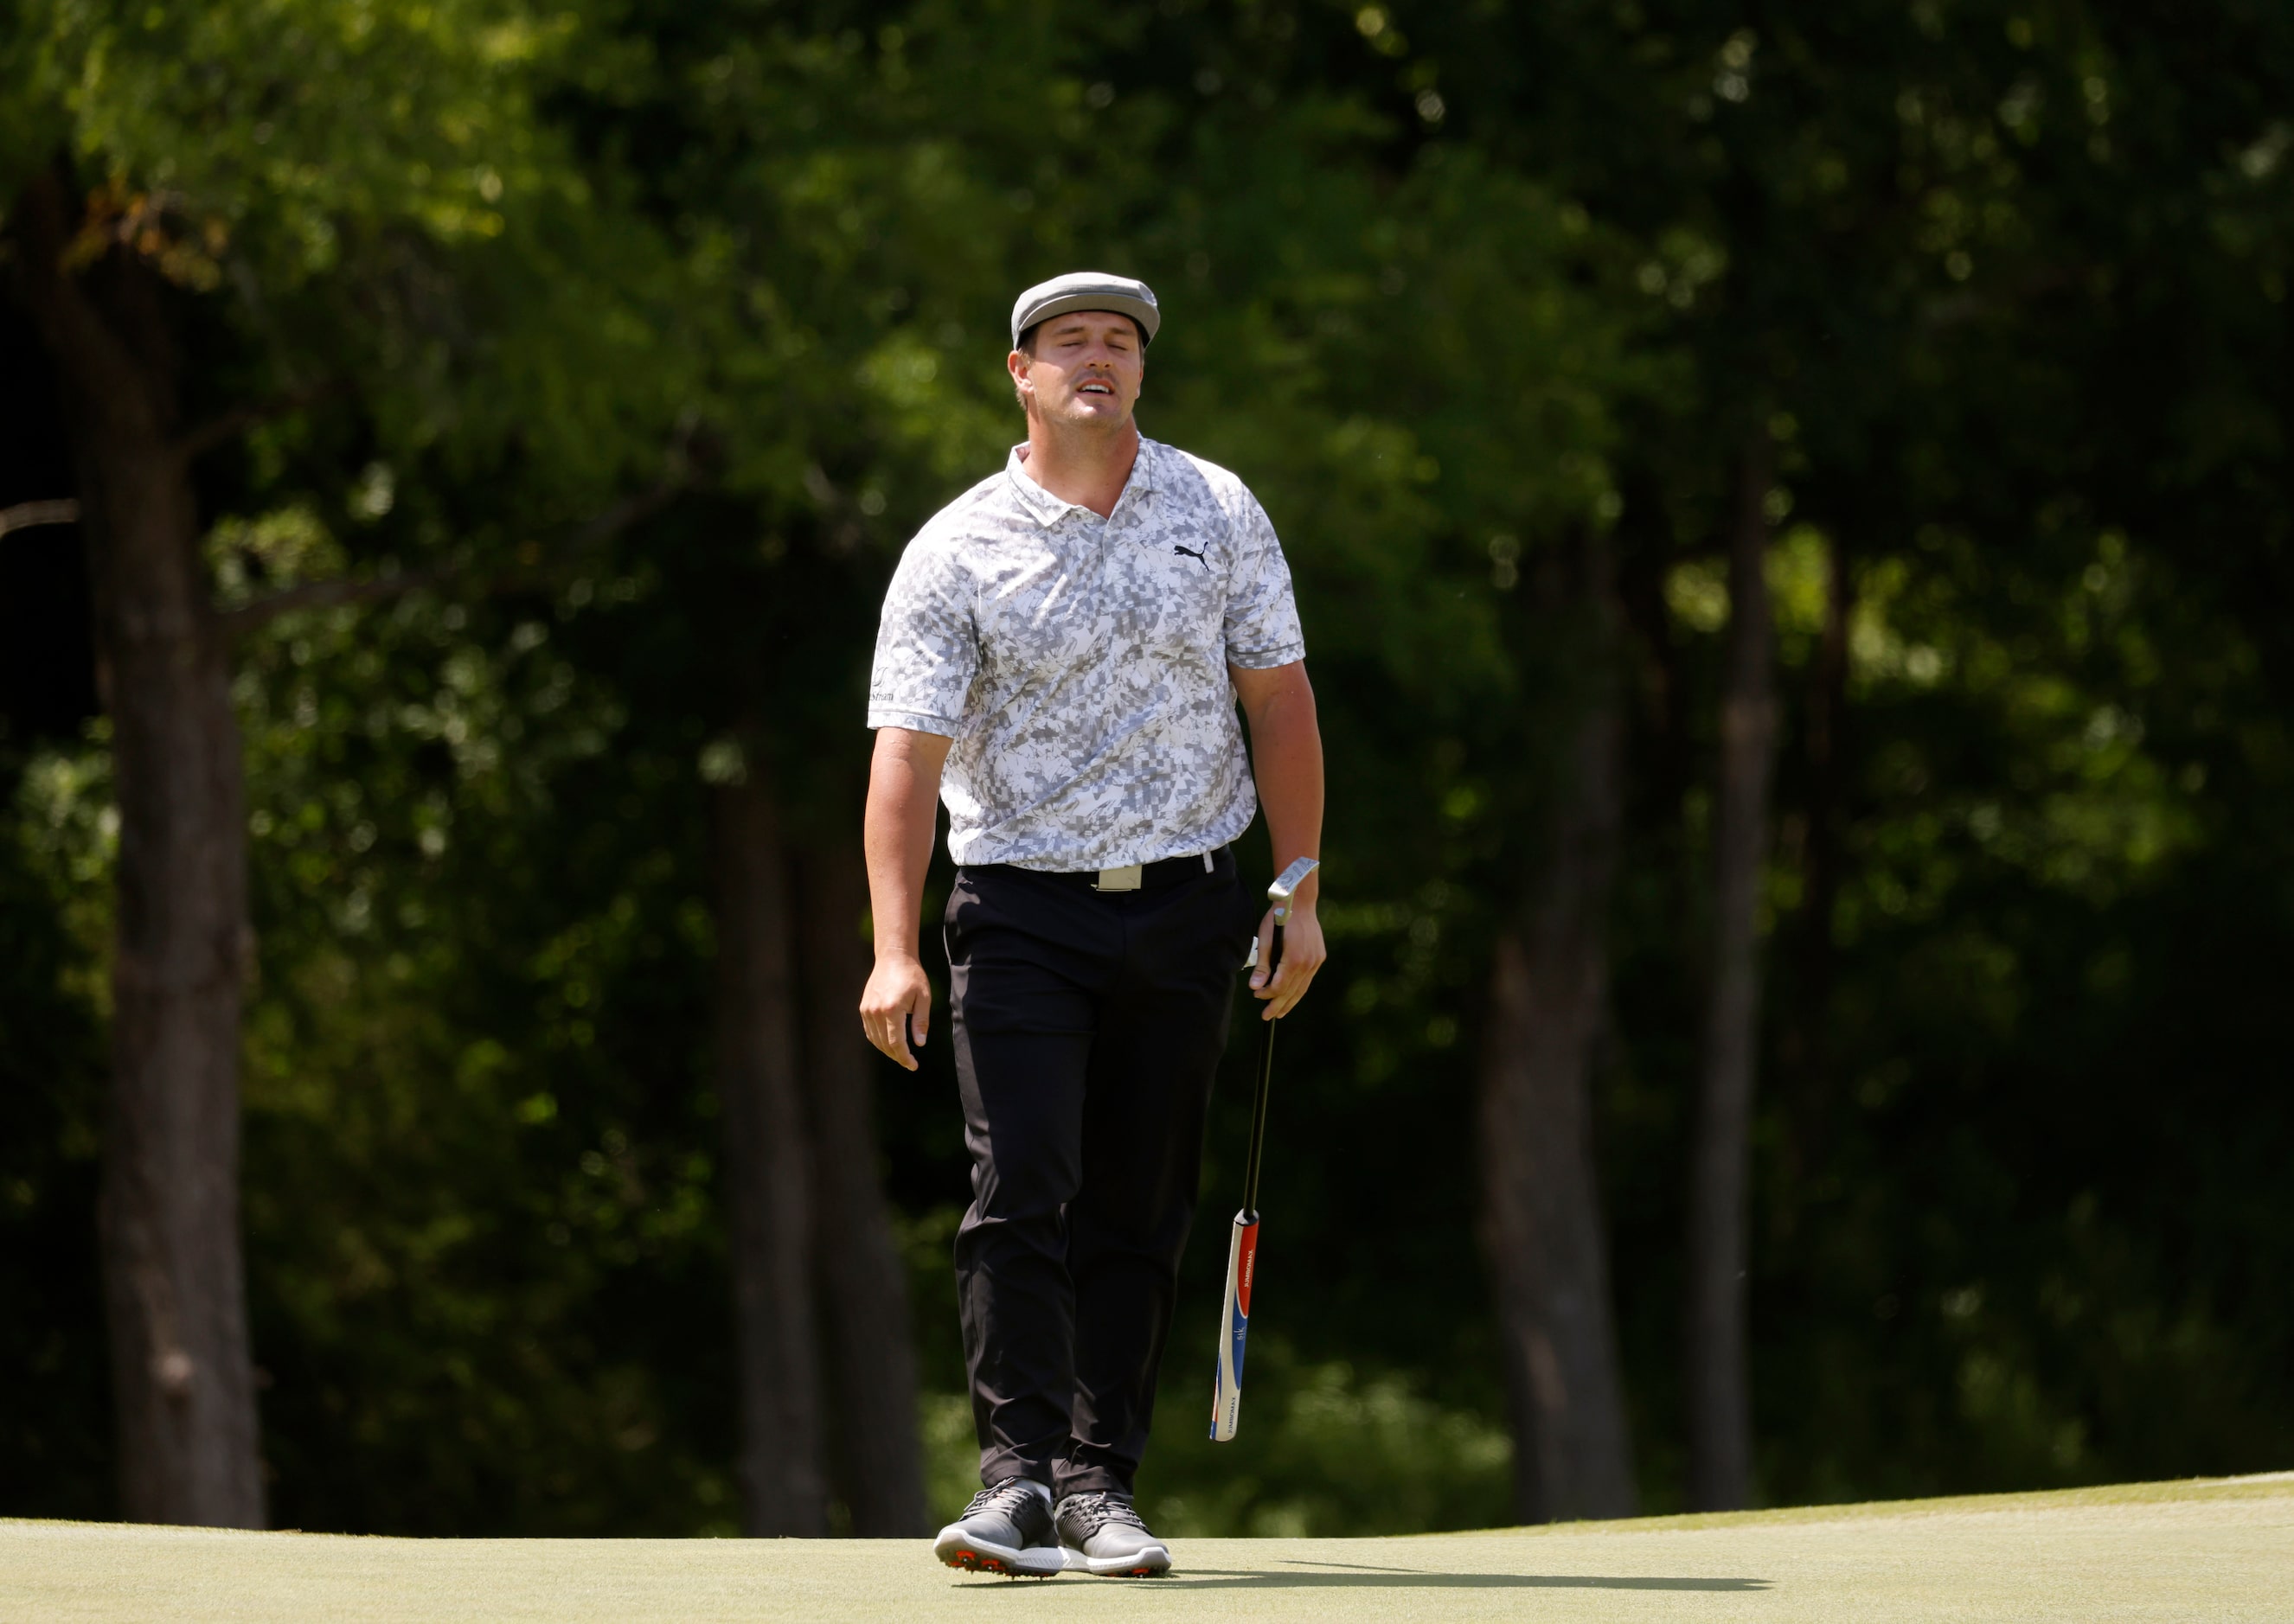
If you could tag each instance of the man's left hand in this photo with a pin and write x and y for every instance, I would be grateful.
(1303, 954)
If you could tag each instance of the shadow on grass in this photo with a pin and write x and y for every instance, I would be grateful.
(1356, 1575)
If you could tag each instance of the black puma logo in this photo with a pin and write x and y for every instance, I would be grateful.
(1193, 554)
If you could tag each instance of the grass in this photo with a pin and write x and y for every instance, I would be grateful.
(2218, 1549)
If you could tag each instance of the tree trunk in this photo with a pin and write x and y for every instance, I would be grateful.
(167, 1213)
(1541, 1207)
(1827, 722)
(767, 1150)
(864, 1285)
(1719, 1419)
(1804, 1047)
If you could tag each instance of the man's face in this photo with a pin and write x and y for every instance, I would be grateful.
(1085, 371)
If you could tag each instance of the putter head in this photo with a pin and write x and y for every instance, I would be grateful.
(1285, 885)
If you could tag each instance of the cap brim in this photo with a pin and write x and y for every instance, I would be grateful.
(1148, 317)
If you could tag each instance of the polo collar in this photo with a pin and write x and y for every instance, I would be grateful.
(1048, 510)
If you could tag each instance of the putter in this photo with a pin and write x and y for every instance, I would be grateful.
(1242, 1243)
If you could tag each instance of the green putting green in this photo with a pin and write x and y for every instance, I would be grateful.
(2219, 1549)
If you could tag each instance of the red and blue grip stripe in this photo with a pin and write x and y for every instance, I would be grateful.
(1241, 1267)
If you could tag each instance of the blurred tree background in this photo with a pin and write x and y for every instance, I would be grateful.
(1791, 509)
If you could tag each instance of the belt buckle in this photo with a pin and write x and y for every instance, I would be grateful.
(1123, 879)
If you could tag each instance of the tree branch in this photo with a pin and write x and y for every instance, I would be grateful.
(344, 591)
(24, 516)
(338, 593)
(226, 427)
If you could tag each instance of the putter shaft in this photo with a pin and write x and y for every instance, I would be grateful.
(1285, 888)
(1252, 1156)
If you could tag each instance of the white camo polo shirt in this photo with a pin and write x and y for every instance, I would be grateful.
(1080, 663)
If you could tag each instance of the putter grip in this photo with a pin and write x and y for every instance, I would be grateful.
(1234, 1327)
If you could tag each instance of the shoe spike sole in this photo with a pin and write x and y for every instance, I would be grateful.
(972, 1561)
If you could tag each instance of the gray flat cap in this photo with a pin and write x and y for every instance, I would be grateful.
(1086, 291)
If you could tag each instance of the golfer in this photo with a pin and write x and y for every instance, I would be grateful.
(1061, 653)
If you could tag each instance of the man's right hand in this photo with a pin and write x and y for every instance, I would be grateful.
(896, 1002)
(903, 802)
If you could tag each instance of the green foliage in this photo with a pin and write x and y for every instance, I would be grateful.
(55, 1442)
(278, 127)
(1332, 1452)
(376, 209)
(470, 1330)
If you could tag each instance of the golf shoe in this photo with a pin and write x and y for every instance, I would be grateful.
(1102, 1533)
(1007, 1529)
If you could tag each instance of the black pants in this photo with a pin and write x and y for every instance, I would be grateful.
(1088, 1029)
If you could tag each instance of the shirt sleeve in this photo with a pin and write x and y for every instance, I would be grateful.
(1262, 616)
(927, 645)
